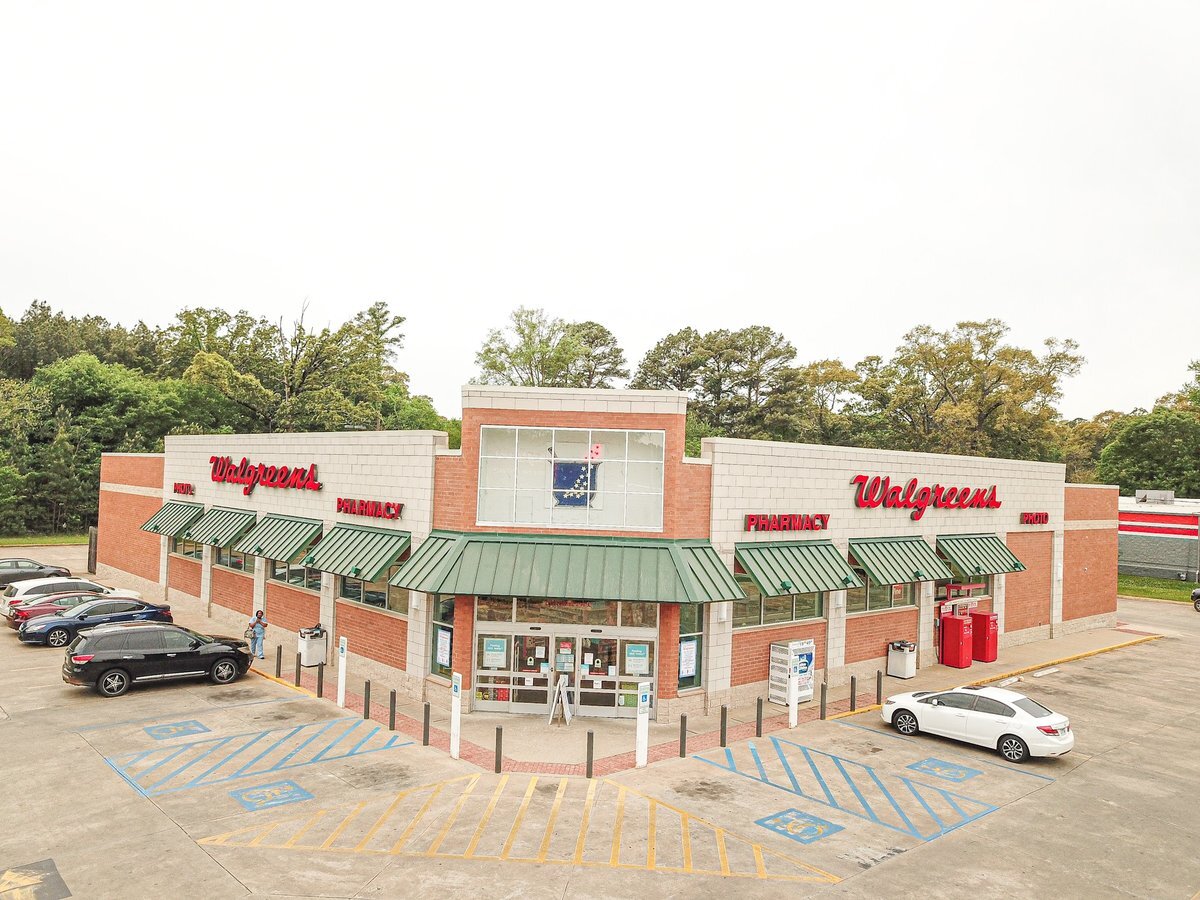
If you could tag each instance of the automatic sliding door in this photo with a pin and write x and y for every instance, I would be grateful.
(531, 673)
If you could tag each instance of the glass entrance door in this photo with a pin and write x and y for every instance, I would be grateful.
(531, 673)
(493, 677)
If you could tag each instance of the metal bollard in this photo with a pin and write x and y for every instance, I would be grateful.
(824, 697)
(321, 679)
(367, 699)
(683, 736)
(297, 670)
(724, 725)
(425, 728)
(758, 719)
(591, 747)
(499, 746)
(392, 711)
(879, 687)
(279, 660)
(853, 693)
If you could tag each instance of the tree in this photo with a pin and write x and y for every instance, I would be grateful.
(42, 337)
(808, 404)
(1081, 441)
(402, 411)
(673, 364)
(533, 351)
(600, 360)
(1158, 451)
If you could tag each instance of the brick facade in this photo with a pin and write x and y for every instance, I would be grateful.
(372, 633)
(120, 541)
(752, 649)
(184, 575)
(462, 653)
(668, 651)
(292, 608)
(133, 469)
(867, 636)
(233, 590)
(1089, 573)
(1027, 594)
(1090, 504)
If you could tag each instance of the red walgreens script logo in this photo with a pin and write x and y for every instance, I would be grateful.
(876, 491)
(251, 475)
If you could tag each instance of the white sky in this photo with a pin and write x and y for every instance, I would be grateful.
(840, 172)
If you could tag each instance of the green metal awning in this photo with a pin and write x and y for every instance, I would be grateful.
(900, 560)
(175, 517)
(795, 567)
(358, 551)
(978, 554)
(221, 526)
(568, 567)
(279, 537)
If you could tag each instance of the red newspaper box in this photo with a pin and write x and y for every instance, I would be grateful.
(986, 628)
(956, 641)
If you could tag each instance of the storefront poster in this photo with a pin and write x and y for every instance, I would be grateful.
(637, 659)
(443, 647)
(495, 653)
(802, 664)
(687, 658)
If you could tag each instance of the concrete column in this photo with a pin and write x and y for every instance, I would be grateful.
(328, 614)
(998, 585)
(926, 651)
(1056, 584)
(258, 599)
(835, 636)
(416, 659)
(718, 656)
(163, 551)
(206, 562)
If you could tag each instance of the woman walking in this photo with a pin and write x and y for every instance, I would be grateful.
(256, 630)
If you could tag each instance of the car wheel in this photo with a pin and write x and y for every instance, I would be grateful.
(59, 637)
(112, 683)
(1196, 604)
(905, 722)
(224, 671)
(1013, 748)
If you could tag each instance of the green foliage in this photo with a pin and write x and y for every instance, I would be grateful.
(1158, 451)
(1155, 588)
(42, 337)
(402, 411)
(600, 359)
(535, 350)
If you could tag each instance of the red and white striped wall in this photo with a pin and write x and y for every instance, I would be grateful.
(1162, 524)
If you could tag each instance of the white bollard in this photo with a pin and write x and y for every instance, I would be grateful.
(642, 740)
(342, 673)
(793, 699)
(455, 713)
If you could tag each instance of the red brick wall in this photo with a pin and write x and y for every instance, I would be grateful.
(1084, 504)
(752, 649)
(867, 636)
(1089, 573)
(668, 650)
(686, 487)
(290, 608)
(183, 574)
(120, 541)
(463, 651)
(233, 590)
(141, 470)
(1027, 594)
(372, 633)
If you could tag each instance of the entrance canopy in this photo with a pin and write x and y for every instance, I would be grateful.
(221, 526)
(795, 567)
(978, 554)
(175, 517)
(568, 567)
(358, 551)
(279, 537)
(899, 560)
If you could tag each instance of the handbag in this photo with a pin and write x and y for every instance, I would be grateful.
(250, 632)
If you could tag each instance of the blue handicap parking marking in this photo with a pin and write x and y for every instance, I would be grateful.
(799, 826)
(942, 769)
(175, 729)
(268, 796)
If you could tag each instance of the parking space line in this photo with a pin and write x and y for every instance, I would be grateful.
(179, 715)
(583, 825)
(521, 811)
(544, 849)
(651, 832)
(487, 816)
(412, 826)
(462, 801)
(337, 832)
(291, 842)
(615, 856)
(246, 746)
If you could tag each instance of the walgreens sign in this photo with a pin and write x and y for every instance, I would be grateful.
(250, 475)
(875, 491)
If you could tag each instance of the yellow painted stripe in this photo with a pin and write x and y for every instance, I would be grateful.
(650, 834)
(258, 840)
(583, 826)
(685, 828)
(721, 854)
(295, 838)
(379, 822)
(487, 815)
(544, 850)
(337, 832)
(615, 857)
(516, 826)
(462, 801)
(412, 826)
(759, 865)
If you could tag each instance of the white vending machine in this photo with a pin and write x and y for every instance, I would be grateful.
(791, 657)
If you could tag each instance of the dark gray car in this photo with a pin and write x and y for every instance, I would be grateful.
(21, 569)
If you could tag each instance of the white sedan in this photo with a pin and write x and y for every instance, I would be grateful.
(19, 591)
(1006, 721)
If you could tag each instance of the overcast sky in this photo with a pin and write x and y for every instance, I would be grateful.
(840, 172)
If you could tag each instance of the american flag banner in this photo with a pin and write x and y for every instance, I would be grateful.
(576, 482)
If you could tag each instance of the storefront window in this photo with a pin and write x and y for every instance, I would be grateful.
(295, 575)
(874, 597)
(691, 645)
(856, 597)
(571, 477)
(190, 549)
(240, 562)
(376, 593)
(442, 661)
(493, 609)
(639, 615)
(756, 610)
(972, 586)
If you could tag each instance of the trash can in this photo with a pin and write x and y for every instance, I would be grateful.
(312, 645)
(902, 659)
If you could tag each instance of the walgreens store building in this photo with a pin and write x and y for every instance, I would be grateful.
(571, 536)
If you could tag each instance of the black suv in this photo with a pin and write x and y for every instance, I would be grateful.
(111, 657)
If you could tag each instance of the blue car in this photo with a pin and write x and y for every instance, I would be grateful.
(60, 629)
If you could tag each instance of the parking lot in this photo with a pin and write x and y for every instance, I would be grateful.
(256, 789)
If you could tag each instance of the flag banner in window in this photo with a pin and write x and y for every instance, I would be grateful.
(575, 482)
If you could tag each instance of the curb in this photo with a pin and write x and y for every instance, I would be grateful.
(1151, 599)
(305, 691)
(1045, 665)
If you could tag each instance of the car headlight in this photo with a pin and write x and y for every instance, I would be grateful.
(889, 702)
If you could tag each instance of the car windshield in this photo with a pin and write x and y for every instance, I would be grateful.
(202, 638)
(1032, 707)
(81, 610)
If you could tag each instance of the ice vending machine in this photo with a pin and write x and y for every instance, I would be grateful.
(957, 644)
